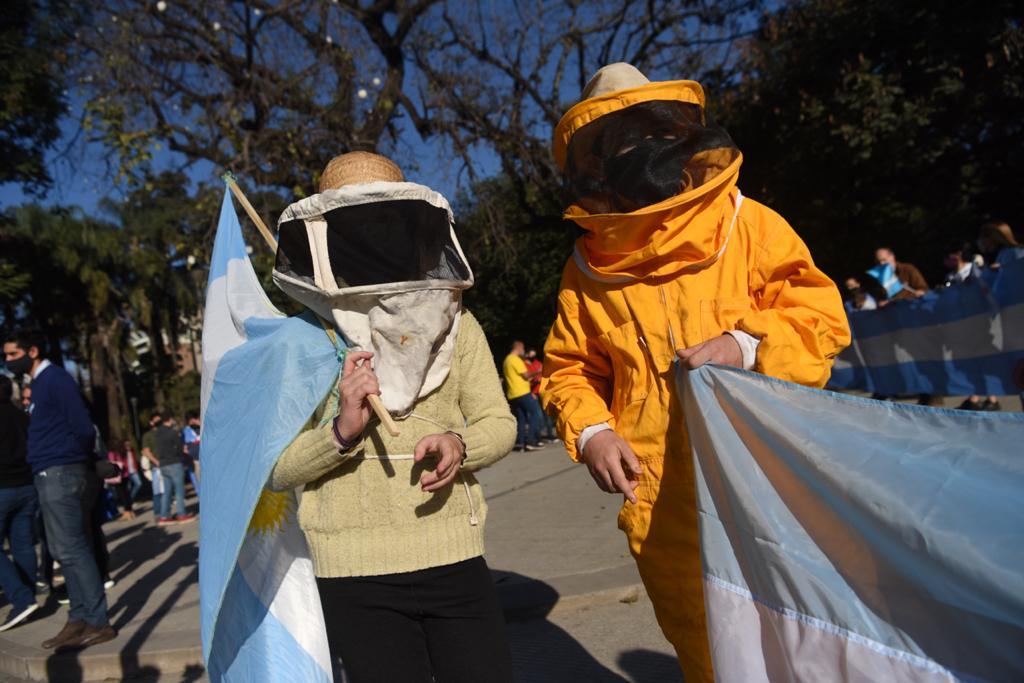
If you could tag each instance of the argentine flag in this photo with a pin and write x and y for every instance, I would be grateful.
(960, 340)
(263, 376)
(845, 539)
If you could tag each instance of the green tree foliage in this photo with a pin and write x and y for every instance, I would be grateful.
(88, 283)
(166, 234)
(34, 35)
(876, 123)
(517, 276)
(72, 270)
(63, 261)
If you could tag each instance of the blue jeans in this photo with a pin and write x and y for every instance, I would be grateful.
(134, 484)
(174, 484)
(18, 507)
(190, 470)
(62, 490)
(526, 409)
(546, 426)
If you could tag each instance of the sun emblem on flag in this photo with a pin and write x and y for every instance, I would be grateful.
(272, 512)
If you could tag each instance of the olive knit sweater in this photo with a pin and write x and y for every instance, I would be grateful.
(364, 513)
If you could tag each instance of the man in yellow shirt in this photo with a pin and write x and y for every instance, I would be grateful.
(517, 391)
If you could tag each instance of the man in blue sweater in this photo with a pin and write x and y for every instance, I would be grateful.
(61, 440)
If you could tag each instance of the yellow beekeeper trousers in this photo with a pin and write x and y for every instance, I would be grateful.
(665, 541)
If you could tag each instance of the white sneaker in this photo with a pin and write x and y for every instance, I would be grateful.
(15, 618)
(108, 584)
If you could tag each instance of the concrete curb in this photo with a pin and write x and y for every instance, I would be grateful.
(36, 666)
(522, 599)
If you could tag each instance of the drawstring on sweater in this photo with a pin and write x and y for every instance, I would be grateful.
(473, 519)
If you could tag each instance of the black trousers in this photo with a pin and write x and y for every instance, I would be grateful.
(441, 624)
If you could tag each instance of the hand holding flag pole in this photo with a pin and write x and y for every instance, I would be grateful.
(378, 406)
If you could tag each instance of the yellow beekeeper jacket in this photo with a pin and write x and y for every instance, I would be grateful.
(669, 276)
(684, 268)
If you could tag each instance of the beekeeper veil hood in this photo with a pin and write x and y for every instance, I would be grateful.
(650, 180)
(378, 256)
(631, 143)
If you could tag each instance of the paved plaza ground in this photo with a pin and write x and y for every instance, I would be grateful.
(573, 599)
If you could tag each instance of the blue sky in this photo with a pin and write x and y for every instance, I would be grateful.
(83, 177)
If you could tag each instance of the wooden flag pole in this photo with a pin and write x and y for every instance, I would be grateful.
(378, 406)
(229, 178)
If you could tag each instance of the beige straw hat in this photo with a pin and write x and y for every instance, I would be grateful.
(359, 167)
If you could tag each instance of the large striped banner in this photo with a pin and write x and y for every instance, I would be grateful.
(847, 539)
(960, 340)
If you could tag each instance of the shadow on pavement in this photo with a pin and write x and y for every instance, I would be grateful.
(66, 666)
(148, 543)
(543, 652)
(130, 652)
(647, 666)
(133, 600)
(116, 535)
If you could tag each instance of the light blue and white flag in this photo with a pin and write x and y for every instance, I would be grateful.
(263, 376)
(885, 273)
(961, 340)
(845, 539)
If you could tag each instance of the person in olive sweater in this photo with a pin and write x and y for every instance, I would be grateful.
(18, 507)
(395, 523)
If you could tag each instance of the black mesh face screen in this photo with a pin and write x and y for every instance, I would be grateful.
(395, 241)
(293, 255)
(644, 154)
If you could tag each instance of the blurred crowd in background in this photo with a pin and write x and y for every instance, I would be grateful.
(60, 482)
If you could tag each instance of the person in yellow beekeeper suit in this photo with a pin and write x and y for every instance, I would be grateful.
(675, 266)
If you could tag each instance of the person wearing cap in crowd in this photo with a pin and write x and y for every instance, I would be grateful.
(676, 266)
(395, 522)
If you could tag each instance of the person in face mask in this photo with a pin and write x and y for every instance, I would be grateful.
(675, 267)
(60, 450)
(395, 522)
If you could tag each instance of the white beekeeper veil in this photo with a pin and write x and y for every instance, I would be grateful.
(379, 257)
